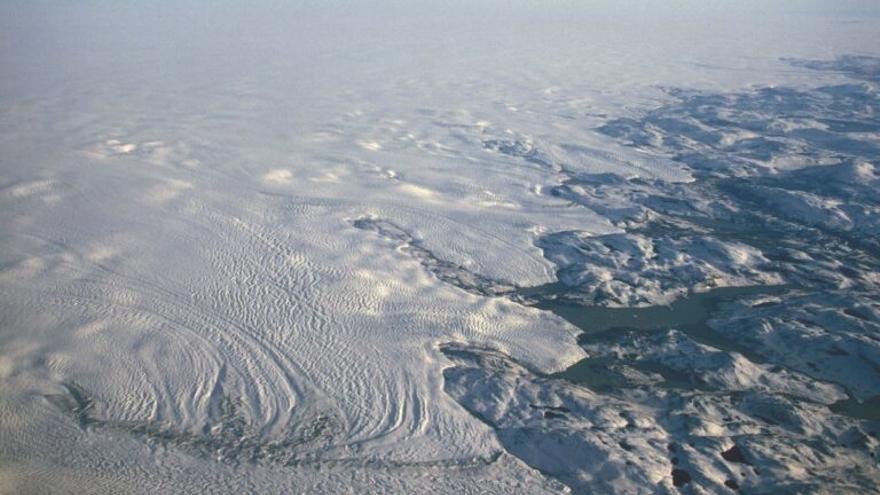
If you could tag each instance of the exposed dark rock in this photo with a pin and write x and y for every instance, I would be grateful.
(680, 477)
(734, 454)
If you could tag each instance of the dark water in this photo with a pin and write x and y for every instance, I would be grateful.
(689, 314)
(868, 409)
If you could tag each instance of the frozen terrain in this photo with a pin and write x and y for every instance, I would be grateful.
(511, 247)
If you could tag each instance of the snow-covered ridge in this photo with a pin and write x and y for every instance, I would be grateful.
(809, 353)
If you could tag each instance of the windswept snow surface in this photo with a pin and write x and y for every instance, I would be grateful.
(274, 249)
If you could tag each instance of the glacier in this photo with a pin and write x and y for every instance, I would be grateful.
(447, 247)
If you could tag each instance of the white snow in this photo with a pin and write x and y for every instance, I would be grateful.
(185, 305)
